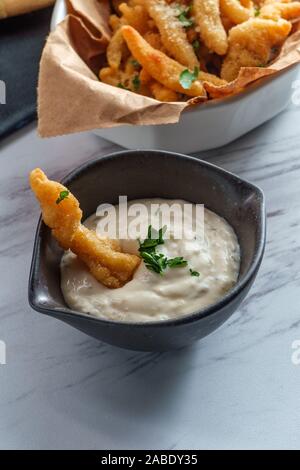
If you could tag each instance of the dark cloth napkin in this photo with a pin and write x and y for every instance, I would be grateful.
(21, 43)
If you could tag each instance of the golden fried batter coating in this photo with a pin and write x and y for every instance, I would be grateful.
(103, 257)
(212, 31)
(63, 219)
(136, 16)
(115, 50)
(251, 43)
(235, 11)
(172, 33)
(165, 70)
(160, 92)
(277, 10)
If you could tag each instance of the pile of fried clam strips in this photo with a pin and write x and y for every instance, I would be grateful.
(175, 50)
(143, 62)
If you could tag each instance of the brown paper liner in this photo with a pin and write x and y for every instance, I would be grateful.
(72, 99)
(93, 13)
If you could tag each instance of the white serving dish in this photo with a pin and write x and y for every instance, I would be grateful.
(210, 125)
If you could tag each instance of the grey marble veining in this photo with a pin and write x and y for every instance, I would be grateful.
(237, 388)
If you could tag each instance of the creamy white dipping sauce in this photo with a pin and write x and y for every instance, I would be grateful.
(150, 296)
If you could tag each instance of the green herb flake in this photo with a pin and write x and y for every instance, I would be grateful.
(187, 78)
(257, 11)
(120, 85)
(63, 195)
(154, 238)
(186, 22)
(196, 45)
(194, 273)
(136, 82)
(158, 262)
(177, 262)
(181, 13)
(135, 64)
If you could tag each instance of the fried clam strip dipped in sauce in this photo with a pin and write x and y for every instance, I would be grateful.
(62, 214)
(212, 31)
(172, 32)
(163, 69)
(251, 43)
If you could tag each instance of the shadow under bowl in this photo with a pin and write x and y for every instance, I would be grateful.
(151, 174)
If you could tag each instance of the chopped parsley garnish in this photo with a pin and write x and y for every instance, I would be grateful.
(257, 11)
(63, 195)
(154, 238)
(194, 273)
(187, 77)
(120, 85)
(136, 82)
(181, 13)
(158, 262)
(186, 22)
(196, 45)
(135, 64)
(177, 262)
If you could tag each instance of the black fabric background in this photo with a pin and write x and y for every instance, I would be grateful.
(21, 43)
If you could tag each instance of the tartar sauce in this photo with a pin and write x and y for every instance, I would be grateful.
(214, 258)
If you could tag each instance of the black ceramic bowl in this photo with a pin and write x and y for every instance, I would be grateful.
(149, 174)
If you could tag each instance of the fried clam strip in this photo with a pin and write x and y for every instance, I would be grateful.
(251, 43)
(247, 3)
(162, 93)
(115, 50)
(277, 10)
(235, 11)
(165, 70)
(103, 257)
(210, 78)
(207, 15)
(172, 32)
(136, 16)
(267, 2)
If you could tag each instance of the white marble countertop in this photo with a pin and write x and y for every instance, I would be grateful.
(238, 388)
